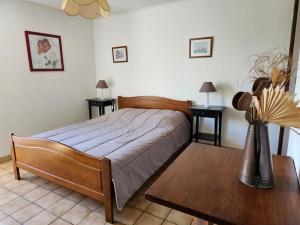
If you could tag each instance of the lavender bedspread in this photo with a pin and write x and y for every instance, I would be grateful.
(137, 141)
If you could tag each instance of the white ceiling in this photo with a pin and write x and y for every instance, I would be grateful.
(117, 6)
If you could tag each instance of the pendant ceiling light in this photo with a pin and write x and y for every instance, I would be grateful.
(90, 9)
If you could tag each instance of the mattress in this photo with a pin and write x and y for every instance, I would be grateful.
(137, 141)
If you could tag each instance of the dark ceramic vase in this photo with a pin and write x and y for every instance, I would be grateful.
(256, 167)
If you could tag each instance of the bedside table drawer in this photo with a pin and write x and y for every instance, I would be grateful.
(107, 103)
(202, 113)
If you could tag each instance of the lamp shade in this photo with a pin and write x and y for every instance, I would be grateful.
(207, 87)
(101, 84)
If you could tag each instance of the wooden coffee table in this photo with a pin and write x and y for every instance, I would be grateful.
(204, 182)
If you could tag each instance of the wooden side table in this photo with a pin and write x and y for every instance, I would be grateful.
(204, 182)
(214, 112)
(101, 103)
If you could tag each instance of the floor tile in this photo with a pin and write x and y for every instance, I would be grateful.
(94, 218)
(158, 210)
(3, 172)
(26, 213)
(9, 221)
(76, 214)
(62, 191)
(7, 197)
(139, 202)
(179, 218)
(42, 218)
(6, 178)
(60, 222)
(14, 183)
(48, 200)
(90, 203)
(24, 189)
(39, 181)
(23, 172)
(14, 205)
(3, 190)
(147, 219)
(116, 223)
(29, 176)
(36, 194)
(168, 223)
(10, 169)
(60, 207)
(50, 186)
(75, 196)
(53, 204)
(128, 215)
(2, 215)
(6, 165)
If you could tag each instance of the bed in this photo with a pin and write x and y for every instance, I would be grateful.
(112, 155)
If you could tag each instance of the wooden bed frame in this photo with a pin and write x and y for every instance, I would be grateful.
(76, 170)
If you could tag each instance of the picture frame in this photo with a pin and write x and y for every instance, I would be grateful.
(120, 54)
(201, 47)
(44, 52)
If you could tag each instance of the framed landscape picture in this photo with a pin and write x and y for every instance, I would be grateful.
(201, 47)
(120, 54)
(44, 52)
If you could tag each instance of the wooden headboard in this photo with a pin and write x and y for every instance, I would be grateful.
(153, 102)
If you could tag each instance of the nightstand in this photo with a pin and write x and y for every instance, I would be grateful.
(101, 103)
(214, 112)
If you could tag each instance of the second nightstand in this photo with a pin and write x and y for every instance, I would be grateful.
(101, 103)
(211, 112)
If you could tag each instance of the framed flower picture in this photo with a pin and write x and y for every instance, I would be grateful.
(120, 54)
(44, 52)
(201, 47)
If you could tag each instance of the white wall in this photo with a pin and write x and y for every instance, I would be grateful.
(157, 40)
(36, 102)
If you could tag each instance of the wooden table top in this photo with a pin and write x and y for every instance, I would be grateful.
(204, 182)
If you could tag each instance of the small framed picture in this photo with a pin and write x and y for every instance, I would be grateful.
(44, 52)
(120, 54)
(201, 47)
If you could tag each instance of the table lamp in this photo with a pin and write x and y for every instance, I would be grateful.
(102, 85)
(207, 87)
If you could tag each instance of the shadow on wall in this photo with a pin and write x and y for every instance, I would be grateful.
(236, 129)
(224, 90)
(111, 84)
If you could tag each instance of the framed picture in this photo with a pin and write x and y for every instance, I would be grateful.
(120, 54)
(44, 52)
(201, 47)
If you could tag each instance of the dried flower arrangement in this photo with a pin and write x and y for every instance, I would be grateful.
(269, 102)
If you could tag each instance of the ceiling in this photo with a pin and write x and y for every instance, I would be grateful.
(117, 6)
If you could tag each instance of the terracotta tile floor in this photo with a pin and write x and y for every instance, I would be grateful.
(35, 201)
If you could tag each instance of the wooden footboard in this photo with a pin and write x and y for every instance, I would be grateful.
(65, 166)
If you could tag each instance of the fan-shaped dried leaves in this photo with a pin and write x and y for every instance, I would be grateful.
(277, 106)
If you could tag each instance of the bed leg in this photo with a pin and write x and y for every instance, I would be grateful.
(107, 186)
(13, 157)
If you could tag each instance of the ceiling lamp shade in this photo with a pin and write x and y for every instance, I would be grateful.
(90, 9)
